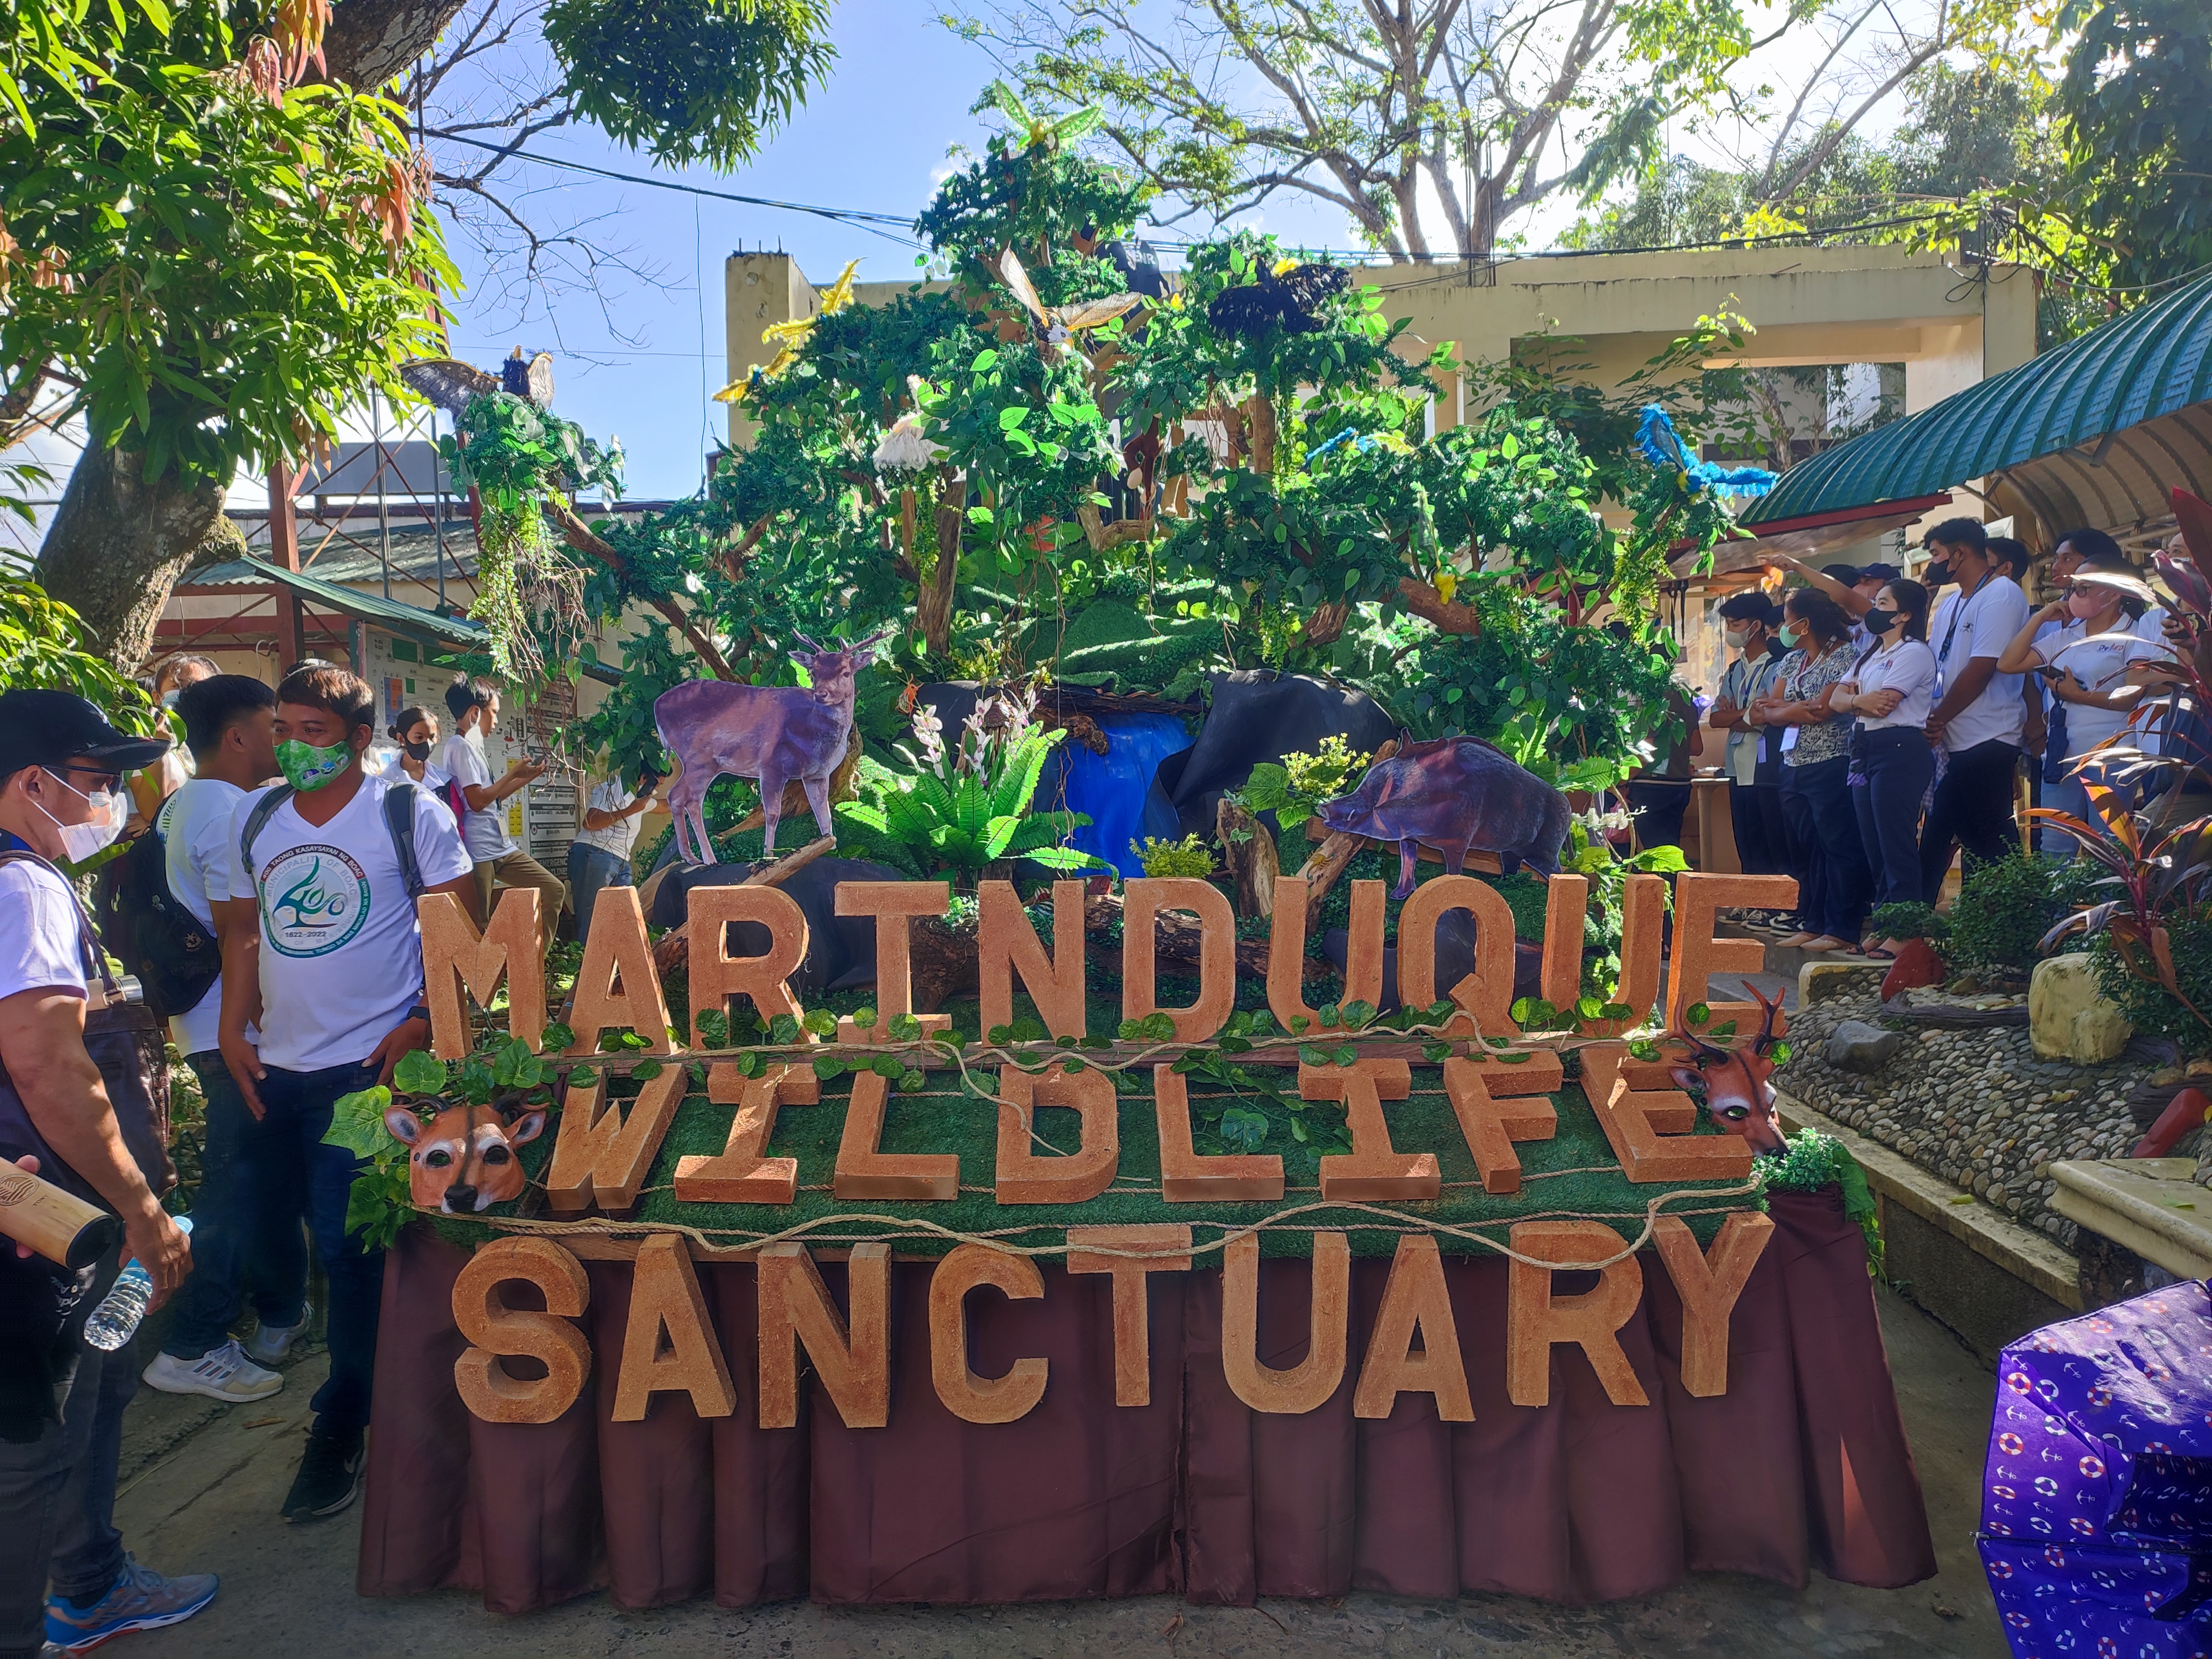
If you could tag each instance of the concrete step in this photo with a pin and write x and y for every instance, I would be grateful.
(1966, 1262)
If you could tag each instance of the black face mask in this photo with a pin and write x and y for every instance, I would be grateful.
(420, 751)
(1880, 621)
(1937, 574)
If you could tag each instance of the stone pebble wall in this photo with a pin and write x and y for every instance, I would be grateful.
(1975, 1107)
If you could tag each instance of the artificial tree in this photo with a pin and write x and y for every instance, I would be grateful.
(1021, 483)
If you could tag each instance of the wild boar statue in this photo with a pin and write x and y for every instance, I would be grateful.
(1455, 794)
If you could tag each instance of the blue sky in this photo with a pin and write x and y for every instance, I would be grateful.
(875, 137)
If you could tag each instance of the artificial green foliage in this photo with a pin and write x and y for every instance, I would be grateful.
(501, 1075)
(966, 807)
(944, 465)
(1294, 789)
(1189, 857)
(1591, 854)
(1815, 1161)
(515, 456)
(690, 81)
(212, 262)
(43, 647)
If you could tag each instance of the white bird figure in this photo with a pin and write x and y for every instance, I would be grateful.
(903, 449)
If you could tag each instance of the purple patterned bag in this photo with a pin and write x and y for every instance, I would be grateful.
(2097, 1498)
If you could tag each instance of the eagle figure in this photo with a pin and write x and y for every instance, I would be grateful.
(451, 384)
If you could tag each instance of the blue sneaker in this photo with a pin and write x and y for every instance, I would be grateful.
(139, 1599)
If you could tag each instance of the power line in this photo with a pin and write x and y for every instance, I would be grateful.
(862, 218)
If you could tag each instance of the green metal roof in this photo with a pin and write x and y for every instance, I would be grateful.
(425, 626)
(2148, 363)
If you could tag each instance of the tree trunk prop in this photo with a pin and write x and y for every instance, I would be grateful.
(1249, 852)
(934, 605)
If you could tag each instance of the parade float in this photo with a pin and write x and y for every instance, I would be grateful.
(1079, 1168)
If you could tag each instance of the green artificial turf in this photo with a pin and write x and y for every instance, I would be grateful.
(944, 1120)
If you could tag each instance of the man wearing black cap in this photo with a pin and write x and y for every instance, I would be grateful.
(62, 768)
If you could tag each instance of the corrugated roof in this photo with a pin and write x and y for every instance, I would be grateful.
(425, 626)
(2084, 394)
(355, 555)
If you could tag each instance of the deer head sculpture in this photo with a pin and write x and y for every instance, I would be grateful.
(1733, 1082)
(463, 1160)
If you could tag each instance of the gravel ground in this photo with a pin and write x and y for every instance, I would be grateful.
(1975, 1107)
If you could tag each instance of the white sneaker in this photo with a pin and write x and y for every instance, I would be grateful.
(223, 1373)
(270, 1343)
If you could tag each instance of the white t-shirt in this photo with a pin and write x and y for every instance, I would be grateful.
(1906, 666)
(485, 832)
(620, 836)
(2098, 662)
(341, 950)
(195, 827)
(41, 935)
(1985, 624)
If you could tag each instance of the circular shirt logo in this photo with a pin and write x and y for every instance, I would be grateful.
(313, 899)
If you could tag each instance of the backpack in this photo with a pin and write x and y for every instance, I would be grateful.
(399, 819)
(148, 926)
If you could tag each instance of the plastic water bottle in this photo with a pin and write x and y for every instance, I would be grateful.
(116, 1319)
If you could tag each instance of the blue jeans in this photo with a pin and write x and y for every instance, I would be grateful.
(1897, 764)
(290, 1164)
(2070, 794)
(590, 868)
(1822, 792)
(242, 1229)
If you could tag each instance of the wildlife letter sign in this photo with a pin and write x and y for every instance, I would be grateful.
(1443, 1130)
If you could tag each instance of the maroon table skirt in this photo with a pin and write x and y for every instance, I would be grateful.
(1802, 1462)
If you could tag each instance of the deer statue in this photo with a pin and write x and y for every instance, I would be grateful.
(463, 1160)
(1733, 1081)
(772, 734)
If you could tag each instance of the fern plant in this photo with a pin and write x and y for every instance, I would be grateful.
(967, 807)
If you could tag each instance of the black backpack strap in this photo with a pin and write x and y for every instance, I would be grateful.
(264, 809)
(399, 819)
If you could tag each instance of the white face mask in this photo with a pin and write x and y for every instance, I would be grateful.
(81, 841)
(1736, 638)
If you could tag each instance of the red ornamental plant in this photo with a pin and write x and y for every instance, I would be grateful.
(2157, 860)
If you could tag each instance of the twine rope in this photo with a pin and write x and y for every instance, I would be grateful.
(804, 1231)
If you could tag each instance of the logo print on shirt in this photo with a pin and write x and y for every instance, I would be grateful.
(313, 900)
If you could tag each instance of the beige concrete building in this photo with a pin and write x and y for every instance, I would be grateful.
(1950, 326)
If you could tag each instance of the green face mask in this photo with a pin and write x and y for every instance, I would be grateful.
(1792, 637)
(307, 768)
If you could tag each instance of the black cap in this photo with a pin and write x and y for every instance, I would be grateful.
(1880, 573)
(47, 728)
(1845, 574)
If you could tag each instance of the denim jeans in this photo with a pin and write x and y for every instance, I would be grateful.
(242, 1231)
(1762, 838)
(590, 868)
(291, 1164)
(2070, 794)
(57, 1464)
(1897, 763)
(1823, 791)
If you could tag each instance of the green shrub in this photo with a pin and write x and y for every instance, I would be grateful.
(2005, 908)
(1906, 922)
(2153, 1008)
